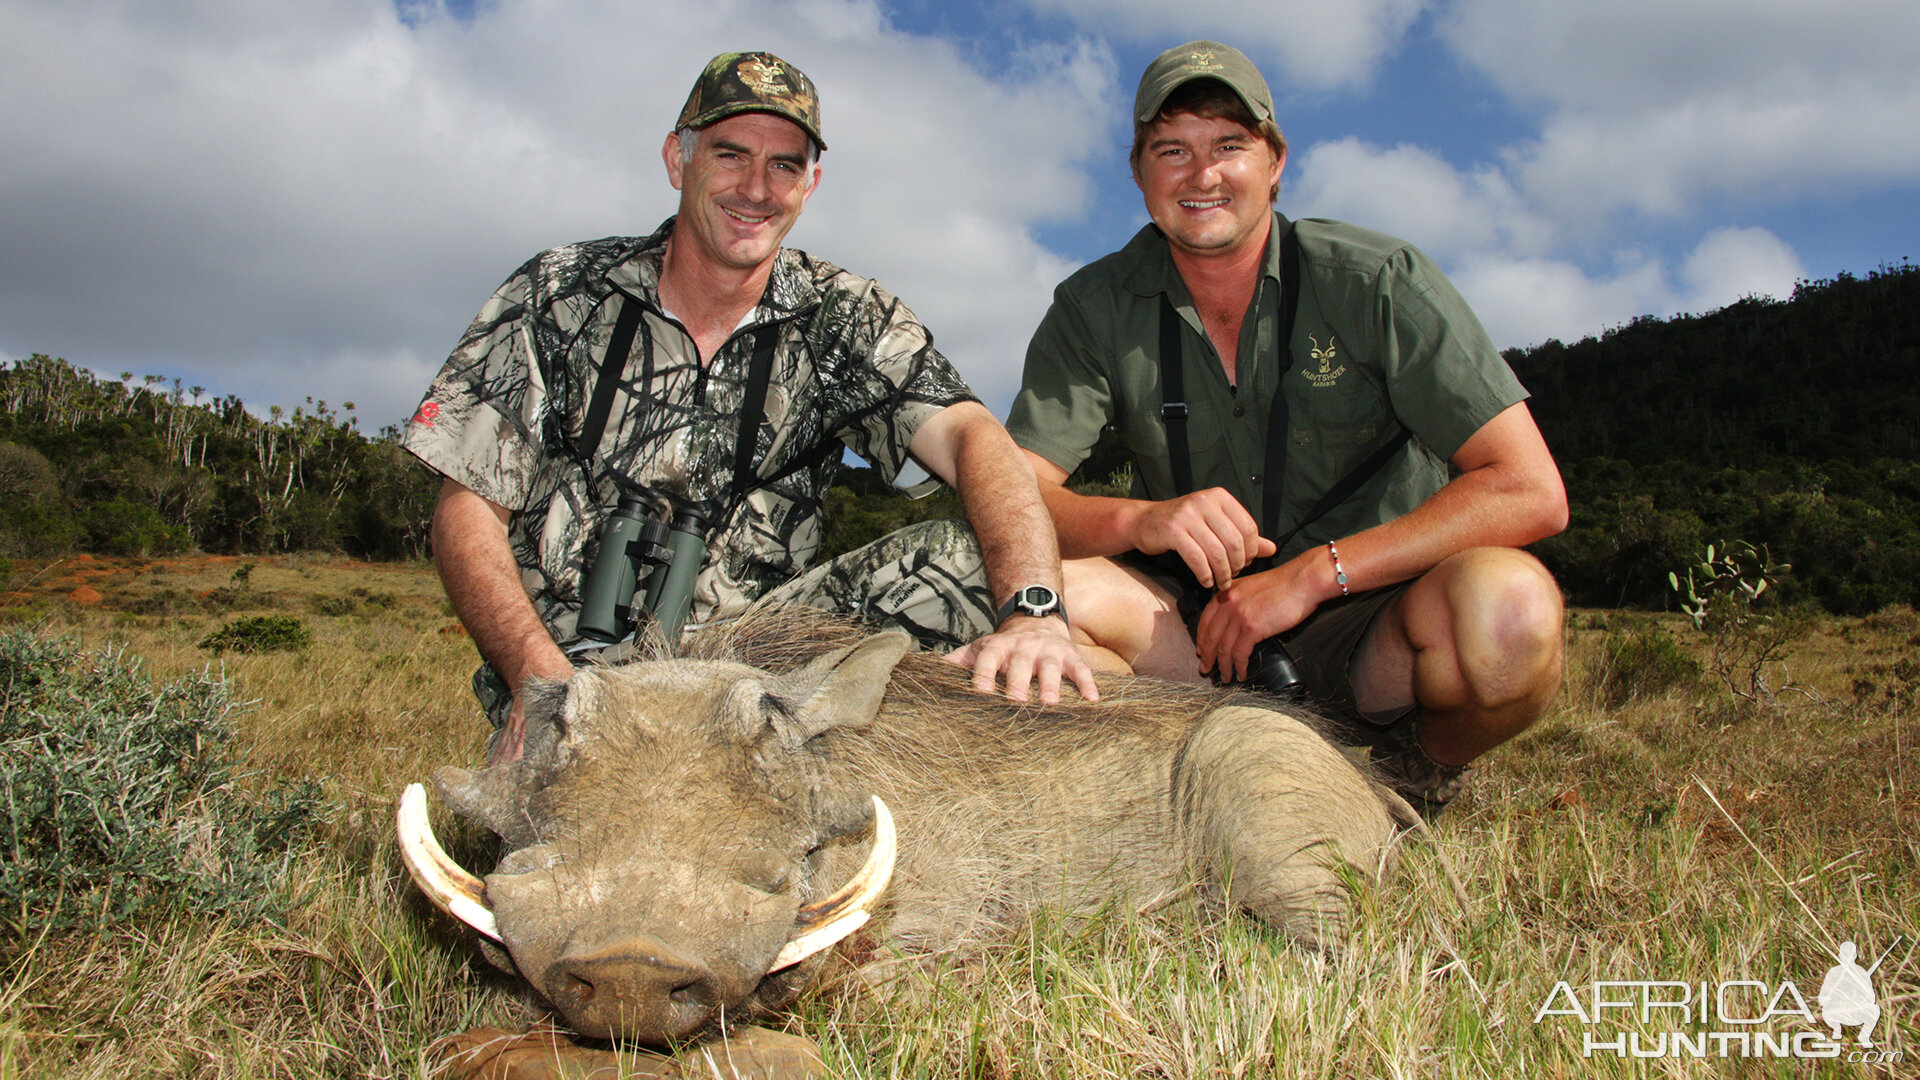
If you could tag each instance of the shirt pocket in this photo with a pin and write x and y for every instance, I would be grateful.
(1332, 426)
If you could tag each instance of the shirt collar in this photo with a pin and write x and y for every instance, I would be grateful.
(790, 288)
(1153, 271)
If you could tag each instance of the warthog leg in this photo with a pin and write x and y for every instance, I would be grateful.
(1281, 818)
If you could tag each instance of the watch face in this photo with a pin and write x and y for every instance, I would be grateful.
(1034, 600)
(1037, 600)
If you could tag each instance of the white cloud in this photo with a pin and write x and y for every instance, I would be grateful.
(1660, 108)
(322, 195)
(1501, 252)
(1732, 264)
(1305, 43)
(1525, 301)
(1413, 193)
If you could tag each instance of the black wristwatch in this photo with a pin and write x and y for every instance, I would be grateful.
(1035, 600)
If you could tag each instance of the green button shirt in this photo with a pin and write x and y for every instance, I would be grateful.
(1381, 340)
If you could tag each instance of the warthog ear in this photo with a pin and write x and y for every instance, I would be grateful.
(497, 795)
(842, 688)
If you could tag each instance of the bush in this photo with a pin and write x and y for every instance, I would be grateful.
(121, 526)
(259, 633)
(121, 795)
(1644, 662)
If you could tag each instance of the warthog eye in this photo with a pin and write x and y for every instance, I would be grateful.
(765, 870)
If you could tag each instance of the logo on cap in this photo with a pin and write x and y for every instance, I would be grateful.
(761, 77)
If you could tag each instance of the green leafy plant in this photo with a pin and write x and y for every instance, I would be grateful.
(1721, 594)
(1731, 578)
(121, 795)
(259, 633)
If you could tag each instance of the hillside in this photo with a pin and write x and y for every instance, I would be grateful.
(1791, 423)
(124, 468)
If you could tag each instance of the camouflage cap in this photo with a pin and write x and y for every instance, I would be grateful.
(741, 82)
(1201, 60)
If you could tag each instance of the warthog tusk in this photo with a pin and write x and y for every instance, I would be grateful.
(445, 882)
(824, 923)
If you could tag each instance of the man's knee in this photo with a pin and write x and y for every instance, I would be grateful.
(1120, 610)
(1504, 622)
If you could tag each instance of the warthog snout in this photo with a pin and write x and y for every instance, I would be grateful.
(635, 989)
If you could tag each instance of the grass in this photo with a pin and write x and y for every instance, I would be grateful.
(1653, 829)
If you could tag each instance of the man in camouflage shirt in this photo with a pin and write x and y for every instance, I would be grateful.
(537, 446)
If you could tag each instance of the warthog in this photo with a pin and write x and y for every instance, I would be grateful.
(678, 833)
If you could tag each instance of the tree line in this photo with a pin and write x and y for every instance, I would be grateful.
(148, 467)
(1791, 423)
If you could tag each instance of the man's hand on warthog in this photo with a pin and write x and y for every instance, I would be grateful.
(543, 1053)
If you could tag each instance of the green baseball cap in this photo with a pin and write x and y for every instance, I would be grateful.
(1201, 60)
(742, 82)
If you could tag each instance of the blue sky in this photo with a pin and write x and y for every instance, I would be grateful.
(312, 198)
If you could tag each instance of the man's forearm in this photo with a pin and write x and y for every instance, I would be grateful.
(965, 446)
(1090, 525)
(1004, 507)
(1508, 494)
(476, 566)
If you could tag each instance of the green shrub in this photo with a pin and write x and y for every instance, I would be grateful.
(334, 606)
(259, 633)
(121, 526)
(1644, 662)
(121, 795)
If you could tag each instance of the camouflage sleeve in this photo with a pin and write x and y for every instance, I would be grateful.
(910, 379)
(479, 423)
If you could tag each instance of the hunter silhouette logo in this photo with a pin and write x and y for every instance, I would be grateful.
(1846, 995)
(1327, 374)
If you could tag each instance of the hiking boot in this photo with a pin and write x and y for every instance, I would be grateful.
(1405, 766)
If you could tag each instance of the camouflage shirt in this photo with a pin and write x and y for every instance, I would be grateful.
(852, 367)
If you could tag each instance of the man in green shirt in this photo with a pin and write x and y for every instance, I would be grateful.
(1291, 453)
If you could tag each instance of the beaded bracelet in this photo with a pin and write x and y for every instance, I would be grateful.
(1339, 572)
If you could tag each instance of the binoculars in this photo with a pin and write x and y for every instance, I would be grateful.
(642, 558)
(1270, 668)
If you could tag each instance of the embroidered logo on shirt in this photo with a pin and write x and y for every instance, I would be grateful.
(1328, 374)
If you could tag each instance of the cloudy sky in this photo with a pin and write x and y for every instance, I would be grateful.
(292, 198)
